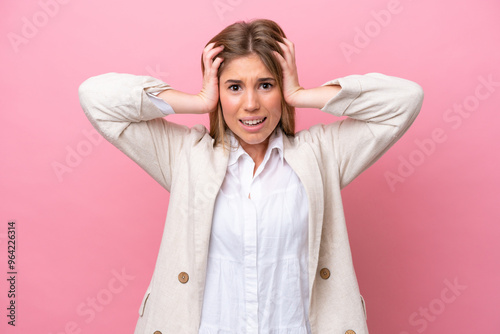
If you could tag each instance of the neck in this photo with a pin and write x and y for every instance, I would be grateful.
(256, 151)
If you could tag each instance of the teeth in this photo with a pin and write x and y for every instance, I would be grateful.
(254, 122)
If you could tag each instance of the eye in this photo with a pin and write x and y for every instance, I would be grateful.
(266, 85)
(234, 88)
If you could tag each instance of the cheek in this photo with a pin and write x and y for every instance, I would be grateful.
(229, 104)
(229, 109)
(273, 103)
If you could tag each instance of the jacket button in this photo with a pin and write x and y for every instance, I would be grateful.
(325, 274)
(183, 278)
(157, 332)
(350, 331)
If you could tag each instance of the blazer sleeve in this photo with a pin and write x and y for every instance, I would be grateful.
(380, 109)
(119, 108)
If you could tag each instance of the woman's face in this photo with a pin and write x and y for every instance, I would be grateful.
(249, 93)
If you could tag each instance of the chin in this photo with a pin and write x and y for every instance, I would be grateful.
(254, 139)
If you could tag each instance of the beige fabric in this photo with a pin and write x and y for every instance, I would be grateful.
(325, 157)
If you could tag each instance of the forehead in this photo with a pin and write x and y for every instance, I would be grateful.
(247, 67)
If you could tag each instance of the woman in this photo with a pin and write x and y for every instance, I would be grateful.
(255, 239)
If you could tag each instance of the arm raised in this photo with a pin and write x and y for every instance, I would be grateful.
(380, 109)
(122, 110)
(118, 107)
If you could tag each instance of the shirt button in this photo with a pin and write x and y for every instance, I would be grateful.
(350, 331)
(325, 274)
(183, 278)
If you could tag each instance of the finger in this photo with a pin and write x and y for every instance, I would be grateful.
(209, 46)
(281, 60)
(286, 52)
(290, 45)
(291, 52)
(209, 55)
(216, 63)
(212, 69)
(287, 42)
(278, 55)
(207, 49)
(213, 52)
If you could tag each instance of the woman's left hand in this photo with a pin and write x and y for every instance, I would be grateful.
(291, 87)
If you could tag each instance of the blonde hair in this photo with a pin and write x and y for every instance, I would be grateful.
(242, 39)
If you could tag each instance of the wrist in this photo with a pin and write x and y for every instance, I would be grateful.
(203, 105)
(296, 99)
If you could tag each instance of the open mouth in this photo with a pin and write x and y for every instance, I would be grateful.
(254, 122)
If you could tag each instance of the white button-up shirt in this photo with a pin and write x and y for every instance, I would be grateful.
(257, 271)
(257, 267)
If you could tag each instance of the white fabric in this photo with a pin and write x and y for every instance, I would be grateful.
(257, 262)
(160, 103)
(257, 266)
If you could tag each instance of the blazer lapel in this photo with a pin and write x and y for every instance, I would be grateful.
(303, 161)
(211, 170)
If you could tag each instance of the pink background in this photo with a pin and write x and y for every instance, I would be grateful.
(435, 226)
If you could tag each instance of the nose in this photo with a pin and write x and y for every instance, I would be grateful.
(251, 102)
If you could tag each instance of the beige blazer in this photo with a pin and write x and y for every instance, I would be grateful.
(325, 157)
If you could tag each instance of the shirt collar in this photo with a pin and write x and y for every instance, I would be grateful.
(275, 141)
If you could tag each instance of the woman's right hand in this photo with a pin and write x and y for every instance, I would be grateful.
(208, 98)
(209, 93)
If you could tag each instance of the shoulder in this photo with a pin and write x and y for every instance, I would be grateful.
(315, 134)
(190, 136)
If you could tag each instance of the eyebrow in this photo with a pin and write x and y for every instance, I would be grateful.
(258, 80)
